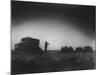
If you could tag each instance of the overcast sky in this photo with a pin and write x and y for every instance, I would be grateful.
(60, 25)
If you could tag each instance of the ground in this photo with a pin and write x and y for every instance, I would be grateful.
(52, 61)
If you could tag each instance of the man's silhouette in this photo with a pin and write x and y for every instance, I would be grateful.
(46, 45)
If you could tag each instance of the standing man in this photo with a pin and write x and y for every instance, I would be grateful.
(46, 45)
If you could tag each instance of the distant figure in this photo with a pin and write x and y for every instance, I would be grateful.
(46, 45)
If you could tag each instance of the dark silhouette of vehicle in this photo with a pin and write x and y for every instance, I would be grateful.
(67, 49)
(28, 45)
(88, 49)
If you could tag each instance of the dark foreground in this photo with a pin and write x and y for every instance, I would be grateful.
(51, 62)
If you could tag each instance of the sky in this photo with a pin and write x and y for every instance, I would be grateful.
(59, 24)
